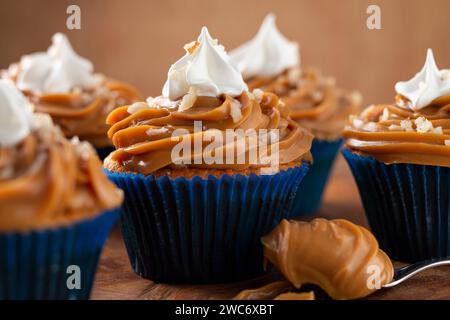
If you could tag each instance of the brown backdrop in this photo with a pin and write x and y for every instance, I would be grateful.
(137, 40)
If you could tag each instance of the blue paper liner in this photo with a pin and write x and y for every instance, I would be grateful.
(33, 265)
(407, 206)
(104, 152)
(309, 194)
(202, 230)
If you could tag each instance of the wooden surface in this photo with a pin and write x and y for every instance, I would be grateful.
(116, 280)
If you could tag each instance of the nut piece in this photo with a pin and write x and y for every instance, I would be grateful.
(423, 125)
(258, 93)
(385, 115)
(235, 110)
(191, 46)
(188, 100)
(406, 125)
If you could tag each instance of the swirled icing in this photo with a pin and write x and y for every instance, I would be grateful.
(61, 84)
(315, 101)
(47, 181)
(143, 139)
(396, 133)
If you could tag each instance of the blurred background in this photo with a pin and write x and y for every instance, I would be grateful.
(137, 40)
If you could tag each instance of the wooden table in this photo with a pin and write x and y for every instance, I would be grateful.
(116, 280)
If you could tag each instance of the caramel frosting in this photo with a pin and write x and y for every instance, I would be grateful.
(407, 131)
(271, 62)
(82, 111)
(62, 84)
(47, 181)
(393, 134)
(142, 133)
(296, 296)
(278, 290)
(207, 112)
(314, 100)
(336, 255)
(267, 292)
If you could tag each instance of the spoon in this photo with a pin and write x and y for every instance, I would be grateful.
(406, 272)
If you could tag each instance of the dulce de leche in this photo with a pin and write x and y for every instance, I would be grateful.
(340, 257)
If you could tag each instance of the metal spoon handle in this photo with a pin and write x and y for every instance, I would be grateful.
(406, 272)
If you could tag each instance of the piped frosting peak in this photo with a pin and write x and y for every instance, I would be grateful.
(58, 70)
(15, 115)
(268, 54)
(427, 85)
(205, 70)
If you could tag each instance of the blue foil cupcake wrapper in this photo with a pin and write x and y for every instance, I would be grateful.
(33, 265)
(202, 230)
(309, 194)
(407, 206)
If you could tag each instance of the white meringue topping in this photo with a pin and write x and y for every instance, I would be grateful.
(58, 70)
(15, 115)
(204, 69)
(430, 83)
(268, 54)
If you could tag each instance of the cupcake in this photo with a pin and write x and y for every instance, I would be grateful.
(197, 194)
(56, 206)
(400, 157)
(271, 62)
(62, 84)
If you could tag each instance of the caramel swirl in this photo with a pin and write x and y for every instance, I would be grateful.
(82, 112)
(336, 255)
(48, 181)
(392, 133)
(278, 290)
(267, 292)
(144, 142)
(296, 296)
(315, 101)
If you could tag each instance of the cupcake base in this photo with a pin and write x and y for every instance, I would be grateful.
(407, 206)
(36, 265)
(202, 230)
(309, 194)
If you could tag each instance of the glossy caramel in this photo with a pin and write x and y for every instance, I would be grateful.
(314, 100)
(47, 181)
(83, 111)
(144, 143)
(336, 255)
(380, 135)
